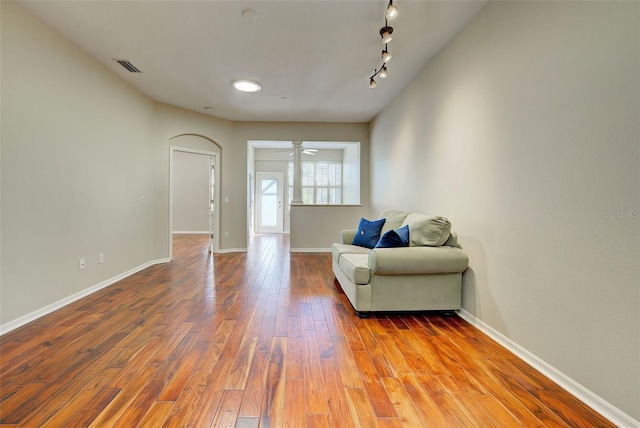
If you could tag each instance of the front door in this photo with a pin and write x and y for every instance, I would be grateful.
(270, 206)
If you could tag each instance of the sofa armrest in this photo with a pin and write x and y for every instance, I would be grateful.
(417, 260)
(348, 235)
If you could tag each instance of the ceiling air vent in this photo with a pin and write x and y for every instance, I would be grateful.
(126, 64)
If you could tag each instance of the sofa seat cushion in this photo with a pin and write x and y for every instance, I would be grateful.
(355, 267)
(338, 249)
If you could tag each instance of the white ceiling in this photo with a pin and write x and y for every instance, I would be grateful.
(312, 58)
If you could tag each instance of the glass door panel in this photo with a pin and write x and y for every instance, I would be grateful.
(270, 211)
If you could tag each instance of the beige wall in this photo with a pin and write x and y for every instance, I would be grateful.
(524, 131)
(76, 162)
(191, 190)
(316, 227)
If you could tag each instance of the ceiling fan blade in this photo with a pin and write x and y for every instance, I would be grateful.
(311, 152)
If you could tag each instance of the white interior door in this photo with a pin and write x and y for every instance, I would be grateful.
(212, 204)
(270, 212)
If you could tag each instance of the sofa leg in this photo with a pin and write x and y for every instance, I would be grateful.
(362, 314)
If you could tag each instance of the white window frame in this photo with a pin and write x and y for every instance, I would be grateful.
(315, 186)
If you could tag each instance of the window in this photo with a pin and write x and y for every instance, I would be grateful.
(321, 183)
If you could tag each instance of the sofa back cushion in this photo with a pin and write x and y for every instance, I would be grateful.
(452, 241)
(432, 231)
(394, 220)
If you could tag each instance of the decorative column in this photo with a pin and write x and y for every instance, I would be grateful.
(297, 173)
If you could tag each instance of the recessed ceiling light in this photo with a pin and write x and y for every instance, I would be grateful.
(246, 85)
(249, 14)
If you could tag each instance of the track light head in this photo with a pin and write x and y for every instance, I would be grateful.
(386, 56)
(372, 83)
(385, 33)
(392, 11)
(383, 72)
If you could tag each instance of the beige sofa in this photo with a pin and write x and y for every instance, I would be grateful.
(415, 278)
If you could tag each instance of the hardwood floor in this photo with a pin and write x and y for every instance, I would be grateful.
(262, 339)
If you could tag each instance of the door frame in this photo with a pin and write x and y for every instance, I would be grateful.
(216, 214)
(258, 199)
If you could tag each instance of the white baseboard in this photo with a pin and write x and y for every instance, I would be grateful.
(19, 322)
(191, 232)
(232, 250)
(310, 250)
(592, 400)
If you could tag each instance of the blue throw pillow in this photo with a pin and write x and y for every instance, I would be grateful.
(395, 238)
(368, 233)
(403, 232)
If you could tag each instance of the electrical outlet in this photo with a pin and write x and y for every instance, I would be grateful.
(142, 200)
(100, 258)
(226, 234)
(82, 265)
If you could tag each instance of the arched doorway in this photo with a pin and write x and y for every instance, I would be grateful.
(197, 146)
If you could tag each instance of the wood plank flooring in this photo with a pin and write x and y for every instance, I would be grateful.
(262, 339)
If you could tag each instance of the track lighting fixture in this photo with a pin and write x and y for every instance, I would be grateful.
(385, 33)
